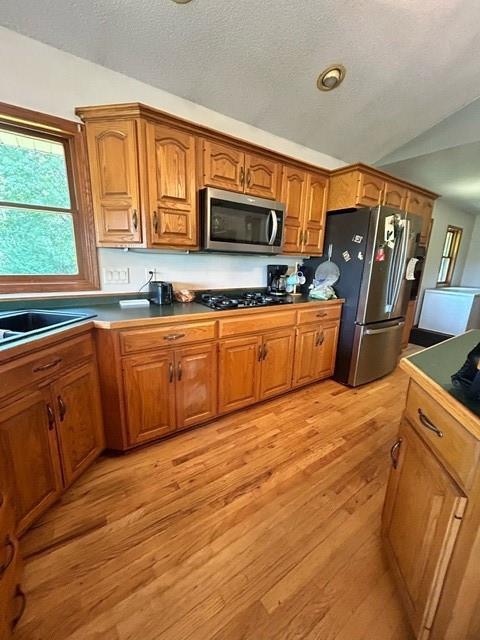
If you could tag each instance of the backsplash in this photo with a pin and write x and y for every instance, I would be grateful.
(185, 270)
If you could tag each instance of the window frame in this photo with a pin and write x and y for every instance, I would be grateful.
(452, 255)
(72, 136)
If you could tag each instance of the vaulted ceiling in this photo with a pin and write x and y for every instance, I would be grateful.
(410, 63)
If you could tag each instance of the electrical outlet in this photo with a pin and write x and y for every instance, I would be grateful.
(156, 274)
(116, 276)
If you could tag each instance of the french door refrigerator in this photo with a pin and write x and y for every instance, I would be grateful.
(372, 248)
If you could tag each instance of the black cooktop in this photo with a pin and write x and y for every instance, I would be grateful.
(224, 300)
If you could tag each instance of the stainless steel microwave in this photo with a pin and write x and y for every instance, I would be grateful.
(241, 223)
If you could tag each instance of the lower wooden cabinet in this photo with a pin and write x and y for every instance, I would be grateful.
(78, 416)
(169, 390)
(12, 598)
(50, 434)
(29, 445)
(315, 352)
(422, 515)
(239, 372)
(277, 363)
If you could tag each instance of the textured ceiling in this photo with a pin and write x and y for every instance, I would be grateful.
(410, 63)
(453, 172)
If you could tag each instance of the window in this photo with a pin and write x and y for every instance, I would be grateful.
(449, 256)
(46, 237)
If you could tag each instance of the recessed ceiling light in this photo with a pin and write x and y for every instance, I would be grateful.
(331, 77)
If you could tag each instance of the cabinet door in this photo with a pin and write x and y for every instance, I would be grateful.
(277, 363)
(196, 384)
(239, 372)
(326, 350)
(262, 177)
(315, 214)
(28, 443)
(369, 190)
(150, 396)
(294, 183)
(422, 515)
(223, 166)
(304, 366)
(422, 206)
(395, 196)
(171, 182)
(113, 159)
(79, 420)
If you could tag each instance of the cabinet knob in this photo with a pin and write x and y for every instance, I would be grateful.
(135, 219)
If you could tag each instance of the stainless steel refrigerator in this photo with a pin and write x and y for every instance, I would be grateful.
(372, 248)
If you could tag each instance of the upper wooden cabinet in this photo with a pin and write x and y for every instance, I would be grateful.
(304, 194)
(363, 186)
(113, 158)
(226, 167)
(171, 186)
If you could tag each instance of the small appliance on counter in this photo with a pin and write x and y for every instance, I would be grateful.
(277, 279)
(160, 292)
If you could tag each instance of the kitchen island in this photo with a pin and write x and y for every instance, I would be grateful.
(431, 518)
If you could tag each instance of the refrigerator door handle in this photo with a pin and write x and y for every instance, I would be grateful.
(402, 265)
(373, 332)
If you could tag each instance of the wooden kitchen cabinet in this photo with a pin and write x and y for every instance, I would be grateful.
(315, 352)
(359, 185)
(171, 186)
(78, 415)
(113, 162)
(29, 444)
(196, 384)
(421, 518)
(12, 598)
(276, 364)
(239, 372)
(223, 166)
(305, 197)
(149, 383)
(262, 177)
(169, 390)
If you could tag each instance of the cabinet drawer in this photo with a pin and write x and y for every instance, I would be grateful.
(318, 314)
(44, 364)
(258, 322)
(456, 447)
(146, 339)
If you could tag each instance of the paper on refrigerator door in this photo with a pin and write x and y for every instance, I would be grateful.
(410, 274)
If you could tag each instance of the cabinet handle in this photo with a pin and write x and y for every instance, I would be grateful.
(395, 452)
(51, 418)
(19, 594)
(249, 177)
(49, 365)
(155, 222)
(320, 339)
(260, 352)
(322, 314)
(242, 175)
(135, 219)
(265, 352)
(10, 547)
(174, 336)
(428, 424)
(179, 371)
(62, 407)
(170, 370)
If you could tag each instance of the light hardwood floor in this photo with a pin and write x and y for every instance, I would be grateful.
(262, 525)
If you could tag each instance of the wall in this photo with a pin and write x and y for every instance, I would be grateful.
(471, 272)
(40, 77)
(443, 215)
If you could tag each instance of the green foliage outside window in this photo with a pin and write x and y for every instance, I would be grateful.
(33, 242)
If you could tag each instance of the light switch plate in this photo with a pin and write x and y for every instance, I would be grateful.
(116, 276)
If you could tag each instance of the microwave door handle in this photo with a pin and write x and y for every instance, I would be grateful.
(273, 215)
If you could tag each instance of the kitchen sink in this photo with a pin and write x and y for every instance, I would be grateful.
(21, 324)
